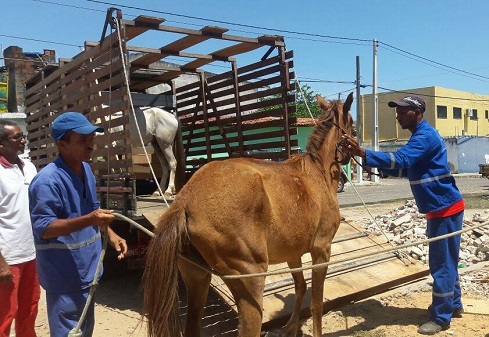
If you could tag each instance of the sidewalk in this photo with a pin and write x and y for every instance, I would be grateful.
(392, 189)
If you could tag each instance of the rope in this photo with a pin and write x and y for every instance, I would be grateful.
(150, 233)
(314, 266)
(304, 98)
(126, 80)
(400, 255)
(325, 264)
(76, 331)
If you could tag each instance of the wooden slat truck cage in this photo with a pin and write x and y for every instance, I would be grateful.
(244, 111)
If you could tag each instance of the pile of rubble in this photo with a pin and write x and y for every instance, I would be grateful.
(405, 225)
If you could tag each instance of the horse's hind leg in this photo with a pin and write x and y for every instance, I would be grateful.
(172, 165)
(168, 166)
(248, 294)
(164, 167)
(197, 283)
(290, 329)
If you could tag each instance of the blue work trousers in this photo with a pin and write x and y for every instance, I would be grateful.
(64, 312)
(443, 263)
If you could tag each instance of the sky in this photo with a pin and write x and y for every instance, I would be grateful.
(420, 43)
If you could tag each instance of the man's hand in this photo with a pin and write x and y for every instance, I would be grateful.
(102, 217)
(118, 243)
(6, 275)
(353, 147)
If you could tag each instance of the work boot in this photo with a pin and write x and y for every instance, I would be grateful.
(457, 313)
(431, 328)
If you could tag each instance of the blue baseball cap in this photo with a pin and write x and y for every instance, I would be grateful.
(413, 101)
(72, 121)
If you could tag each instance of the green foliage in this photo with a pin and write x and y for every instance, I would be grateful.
(306, 95)
(302, 97)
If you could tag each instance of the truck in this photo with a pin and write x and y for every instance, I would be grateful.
(230, 114)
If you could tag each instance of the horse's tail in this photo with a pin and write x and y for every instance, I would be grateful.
(160, 278)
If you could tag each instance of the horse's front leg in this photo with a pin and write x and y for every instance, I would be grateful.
(321, 253)
(292, 326)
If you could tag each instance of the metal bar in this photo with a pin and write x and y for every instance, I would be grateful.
(350, 265)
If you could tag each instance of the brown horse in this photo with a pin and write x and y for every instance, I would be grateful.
(236, 217)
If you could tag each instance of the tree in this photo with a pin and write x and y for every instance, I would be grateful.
(303, 96)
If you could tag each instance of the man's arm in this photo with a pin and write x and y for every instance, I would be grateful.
(59, 227)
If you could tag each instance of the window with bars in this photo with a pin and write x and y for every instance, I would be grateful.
(457, 113)
(441, 111)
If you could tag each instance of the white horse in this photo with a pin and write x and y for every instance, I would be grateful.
(159, 127)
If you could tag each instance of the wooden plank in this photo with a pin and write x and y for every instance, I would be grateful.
(213, 31)
(141, 24)
(236, 49)
(476, 307)
(78, 74)
(344, 285)
(264, 63)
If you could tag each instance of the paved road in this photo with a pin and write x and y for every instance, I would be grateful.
(391, 189)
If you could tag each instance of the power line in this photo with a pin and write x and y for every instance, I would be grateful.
(315, 80)
(227, 22)
(435, 66)
(431, 96)
(43, 41)
(386, 46)
(434, 62)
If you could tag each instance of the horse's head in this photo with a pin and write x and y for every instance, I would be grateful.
(338, 115)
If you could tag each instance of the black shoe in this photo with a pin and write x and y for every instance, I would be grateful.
(457, 313)
(431, 328)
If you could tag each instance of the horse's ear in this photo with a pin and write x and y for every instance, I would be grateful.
(323, 104)
(348, 102)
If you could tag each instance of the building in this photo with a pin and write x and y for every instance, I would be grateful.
(19, 67)
(452, 112)
(461, 118)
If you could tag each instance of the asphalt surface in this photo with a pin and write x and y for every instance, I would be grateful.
(392, 189)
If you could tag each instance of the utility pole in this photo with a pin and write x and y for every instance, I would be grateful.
(375, 109)
(359, 123)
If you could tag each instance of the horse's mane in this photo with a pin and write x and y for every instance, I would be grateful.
(318, 135)
(323, 124)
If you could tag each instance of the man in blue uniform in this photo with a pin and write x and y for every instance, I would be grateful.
(67, 220)
(423, 160)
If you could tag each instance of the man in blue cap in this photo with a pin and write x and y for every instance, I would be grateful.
(423, 160)
(67, 220)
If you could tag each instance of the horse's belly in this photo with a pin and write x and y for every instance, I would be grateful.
(280, 253)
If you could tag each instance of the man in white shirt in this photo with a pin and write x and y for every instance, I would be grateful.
(19, 287)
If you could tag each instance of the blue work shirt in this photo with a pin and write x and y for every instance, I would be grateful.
(423, 160)
(65, 263)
